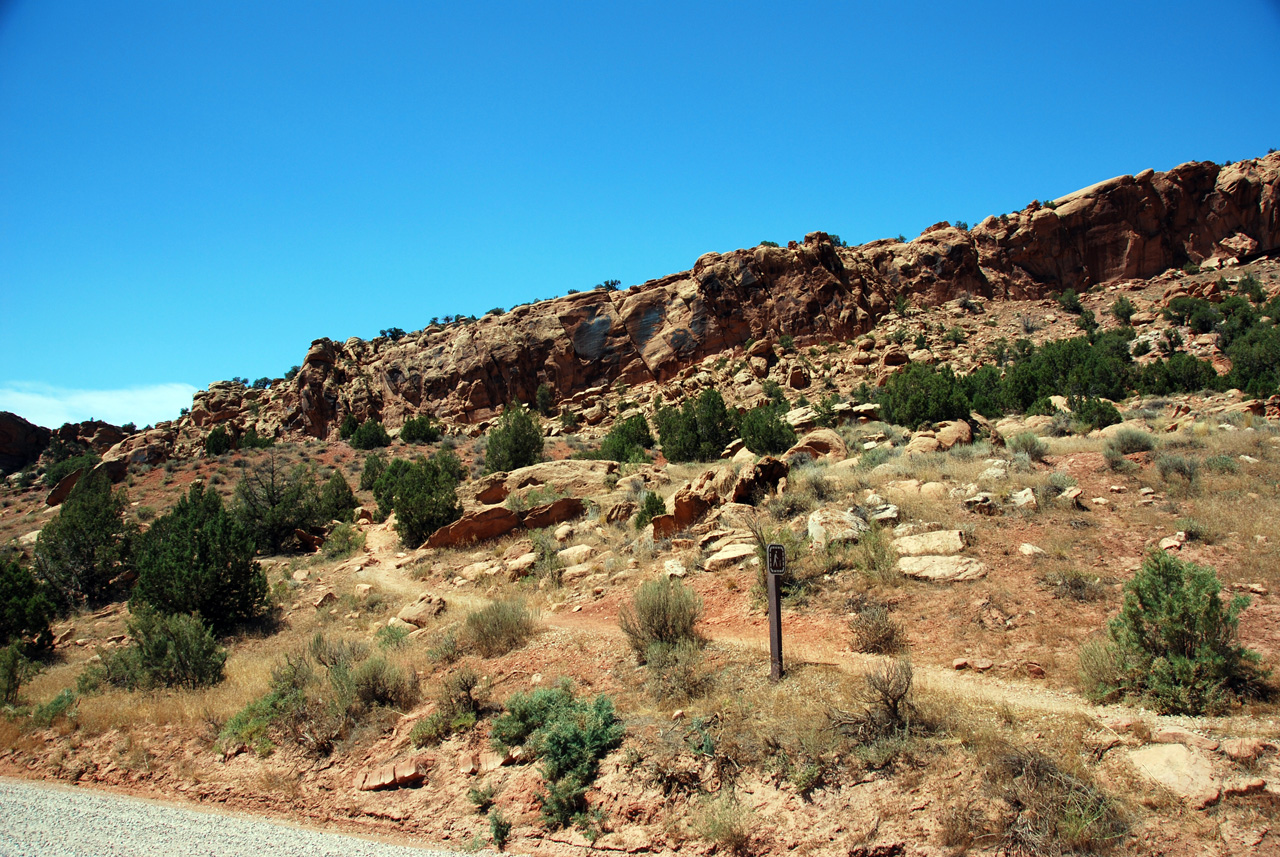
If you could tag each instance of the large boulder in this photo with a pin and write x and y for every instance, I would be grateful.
(555, 512)
(477, 526)
(759, 479)
(571, 476)
(820, 443)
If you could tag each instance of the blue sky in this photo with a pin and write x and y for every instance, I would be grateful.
(192, 191)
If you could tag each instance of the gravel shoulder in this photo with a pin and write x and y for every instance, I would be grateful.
(56, 821)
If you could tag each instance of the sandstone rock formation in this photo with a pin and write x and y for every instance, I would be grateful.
(21, 442)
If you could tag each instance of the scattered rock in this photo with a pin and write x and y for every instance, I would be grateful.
(1031, 550)
(1182, 770)
(729, 557)
(422, 611)
(938, 543)
(832, 526)
(942, 569)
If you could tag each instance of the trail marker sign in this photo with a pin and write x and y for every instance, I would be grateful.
(776, 556)
(777, 559)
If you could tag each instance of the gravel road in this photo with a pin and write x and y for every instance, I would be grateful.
(52, 821)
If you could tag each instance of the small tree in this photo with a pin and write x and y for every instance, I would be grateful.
(168, 651)
(426, 498)
(652, 506)
(374, 464)
(337, 501)
(273, 502)
(699, 430)
(83, 552)
(1123, 309)
(370, 435)
(544, 399)
(217, 442)
(516, 441)
(1174, 643)
(25, 607)
(199, 559)
(348, 426)
(765, 432)
(420, 429)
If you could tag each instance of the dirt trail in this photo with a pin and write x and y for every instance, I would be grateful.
(820, 641)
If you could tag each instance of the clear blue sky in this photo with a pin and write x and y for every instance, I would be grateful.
(195, 190)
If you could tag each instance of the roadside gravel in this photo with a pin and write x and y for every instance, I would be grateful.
(52, 821)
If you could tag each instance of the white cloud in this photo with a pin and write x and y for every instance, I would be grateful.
(52, 406)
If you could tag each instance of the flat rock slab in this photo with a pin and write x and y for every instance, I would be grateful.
(1184, 771)
(729, 557)
(828, 526)
(938, 543)
(942, 569)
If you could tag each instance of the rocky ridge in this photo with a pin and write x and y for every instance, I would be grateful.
(742, 302)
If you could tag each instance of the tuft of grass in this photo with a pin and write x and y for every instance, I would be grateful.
(1029, 445)
(662, 613)
(1129, 441)
(501, 627)
(723, 821)
(876, 632)
(1075, 584)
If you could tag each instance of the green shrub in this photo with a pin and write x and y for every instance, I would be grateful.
(568, 419)
(167, 651)
(543, 399)
(1028, 444)
(1070, 301)
(569, 735)
(1094, 413)
(15, 670)
(425, 497)
(500, 627)
(626, 442)
(370, 435)
(1222, 464)
(923, 394)
(663, 612)
(515, 442)
(699, 430)
(217, 442)
(380, 684)
(1179, 467)
(252, 440)
(374, 465)
(83, 552)
(1175, 643)
(1129, 441)
(274, 502)
(652, 506)
(64, 467)
(343, 541)
(44, 715)
(199, 559)
(337, 501)
(1123, 309)
(420, 429)
(348, 426)
(765, 432)
(25, 606)
(499, 828)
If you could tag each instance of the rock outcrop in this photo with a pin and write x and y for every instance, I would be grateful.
(21, 442)
(815, 291)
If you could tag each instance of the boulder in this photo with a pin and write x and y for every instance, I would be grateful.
(1184, 771)
(394, 776)
(63, 488)
(729, 557)
(923, 443)
(829, 526)
(937, 543)
(576, 555)
(422, 611)
(949, 434)
(556, 512)
(820, 443)
(488, 523)
(761, 478)
(572, 477)
(942, 569)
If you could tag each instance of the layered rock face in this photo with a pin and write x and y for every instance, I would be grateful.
(1124, 228)
(1128, 227)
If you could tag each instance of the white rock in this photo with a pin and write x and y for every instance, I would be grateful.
(939, 543)
(942, 569)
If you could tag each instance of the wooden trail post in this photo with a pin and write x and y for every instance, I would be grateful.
(777, 559)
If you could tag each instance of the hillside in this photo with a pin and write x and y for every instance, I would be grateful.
(974, 445)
